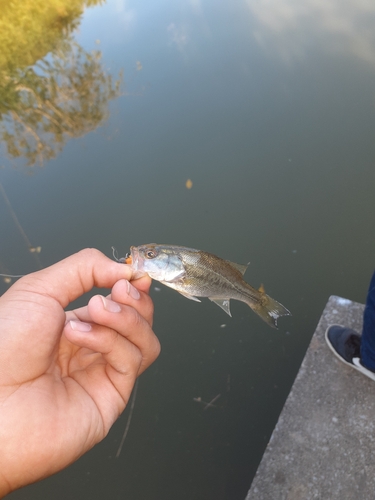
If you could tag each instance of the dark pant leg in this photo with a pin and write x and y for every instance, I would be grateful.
(368, 332)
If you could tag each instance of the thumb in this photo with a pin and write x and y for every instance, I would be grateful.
(70, 278)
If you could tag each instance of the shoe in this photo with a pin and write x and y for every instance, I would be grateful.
(345, 344)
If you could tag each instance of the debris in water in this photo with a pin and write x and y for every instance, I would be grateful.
(207, 405)
(35, 249)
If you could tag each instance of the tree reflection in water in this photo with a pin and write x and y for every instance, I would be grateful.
(55, 89)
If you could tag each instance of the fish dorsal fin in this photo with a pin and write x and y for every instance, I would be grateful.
(261, 289)
(240, 267)
(223, 303)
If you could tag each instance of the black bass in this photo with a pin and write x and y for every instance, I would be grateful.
(194, 273)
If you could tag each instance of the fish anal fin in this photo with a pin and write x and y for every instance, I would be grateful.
(240, 267)
(223, 303)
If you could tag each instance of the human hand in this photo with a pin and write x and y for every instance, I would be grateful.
(65, 377)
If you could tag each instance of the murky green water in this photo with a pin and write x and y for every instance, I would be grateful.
(268, 107)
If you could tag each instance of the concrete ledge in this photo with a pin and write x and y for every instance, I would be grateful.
(323, 446)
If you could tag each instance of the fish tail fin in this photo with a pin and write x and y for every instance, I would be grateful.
(269, 309)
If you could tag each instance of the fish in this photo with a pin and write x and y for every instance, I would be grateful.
(195, 273)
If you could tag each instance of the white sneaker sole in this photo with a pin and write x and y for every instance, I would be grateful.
(356, 361)
(357, 365)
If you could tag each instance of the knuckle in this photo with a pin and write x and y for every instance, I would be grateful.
(156, 348)
(138, 358)
(89, 254)
(131, 363)
(149, 309)
(134, 319)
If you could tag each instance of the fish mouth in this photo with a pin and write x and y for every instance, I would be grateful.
(131, 257)
(135, 260)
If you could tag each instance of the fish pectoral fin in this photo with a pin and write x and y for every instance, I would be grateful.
(240, 267)
(188, 296)
(172, 284)
(223, 303)
(178, 278)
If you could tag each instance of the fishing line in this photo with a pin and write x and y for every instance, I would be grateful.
(114, 253)
(34, 250)
(134, 395)
(13, 275)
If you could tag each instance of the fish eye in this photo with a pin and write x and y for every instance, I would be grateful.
(150, 254)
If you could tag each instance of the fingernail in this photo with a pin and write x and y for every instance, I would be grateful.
(80, 326)
(133, 292)
(110, 306)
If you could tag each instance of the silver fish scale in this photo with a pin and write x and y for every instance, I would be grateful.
(211, 276)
